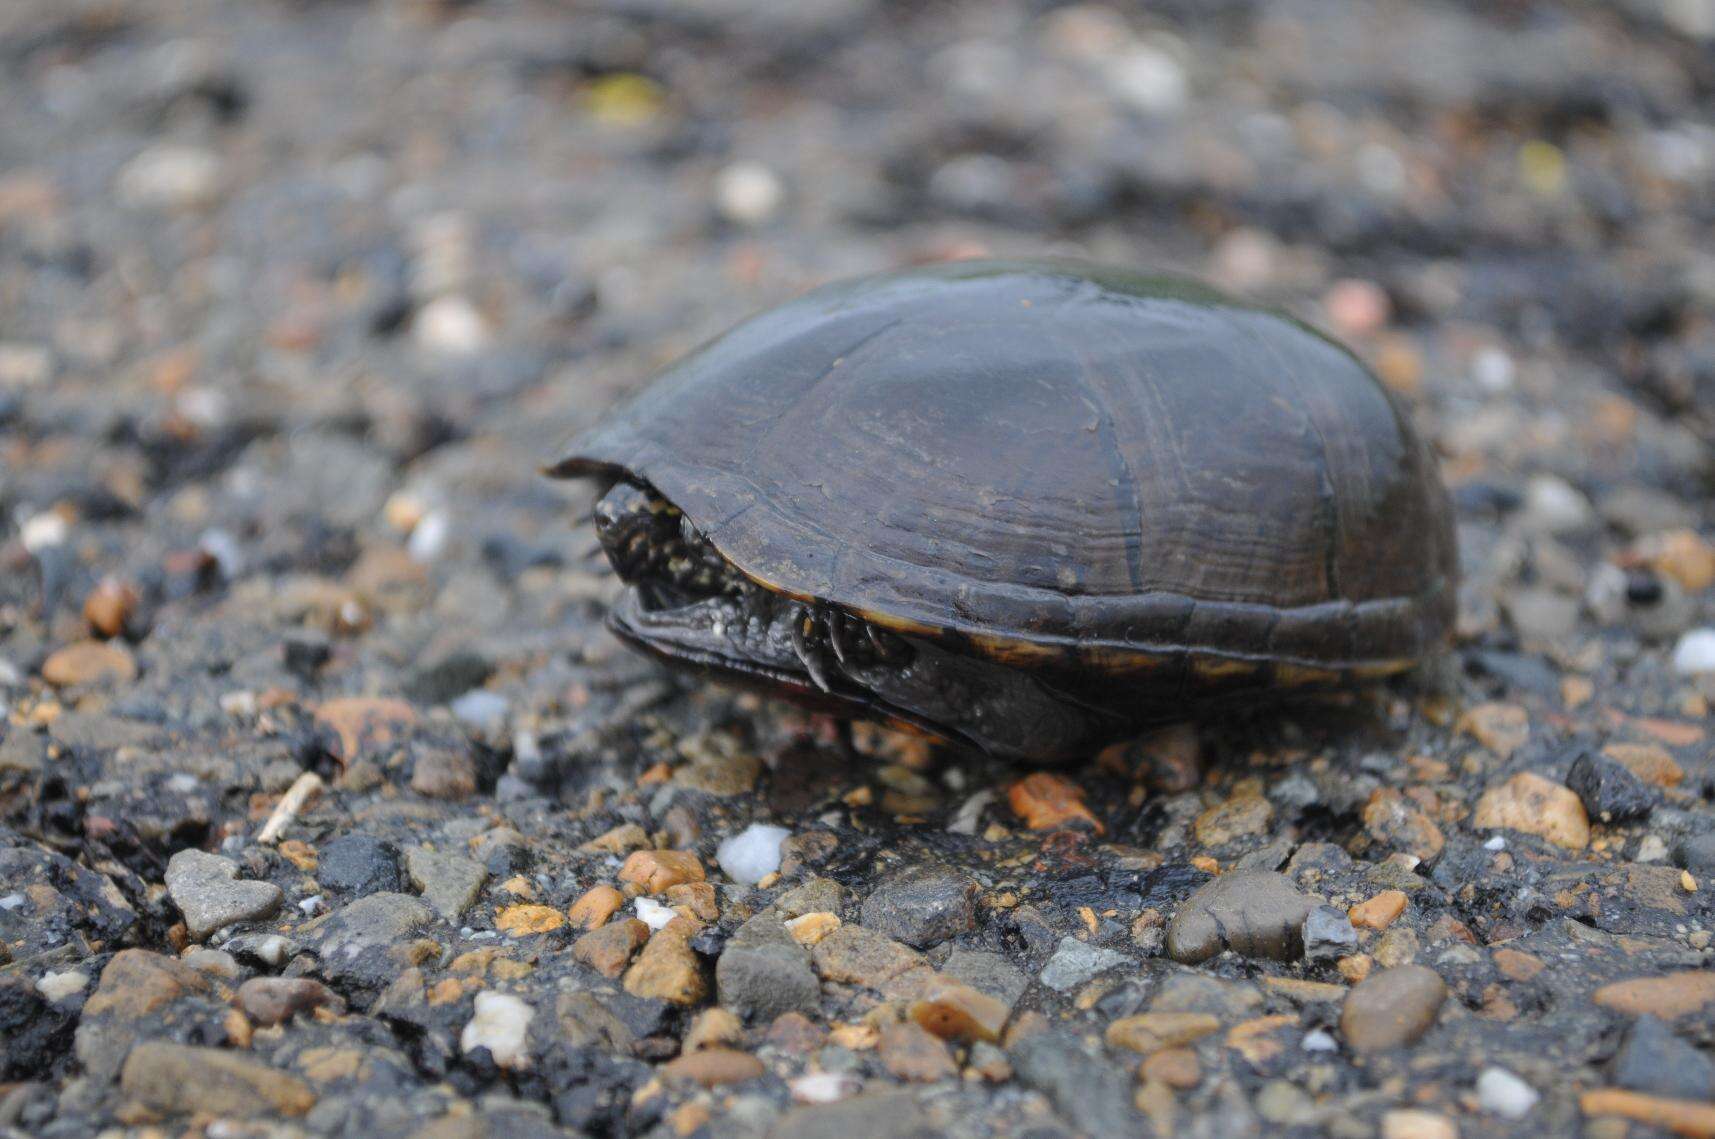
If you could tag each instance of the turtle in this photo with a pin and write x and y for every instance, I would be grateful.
(1031, 507)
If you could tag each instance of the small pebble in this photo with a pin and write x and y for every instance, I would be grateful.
(1695, 652)
(752, 854)
(652, 913)
(1504, 1094)
(500, 1024)
(748, 193)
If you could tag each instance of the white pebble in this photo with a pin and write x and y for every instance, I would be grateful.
(220, 546)
(748, 193)
(1504, 1094)
(752, 854)
(500, 1025)
(1554, 505)
(272, 950)
(43, 531)
(23, 365)
(58, 986)
(1695, 651)
(428, 538)
(1493, 370)
(652, 913)
(1498, 842)
(12, 902)
(311, 904)
(1148, 79)
(824, 1087)
(481, 710)
(1316, 1040)
(1651, 848)
(451, 325)
(171, 176)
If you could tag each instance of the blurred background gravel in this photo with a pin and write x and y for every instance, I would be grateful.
(296, 295)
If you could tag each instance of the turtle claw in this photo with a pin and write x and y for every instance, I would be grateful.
(809, 655)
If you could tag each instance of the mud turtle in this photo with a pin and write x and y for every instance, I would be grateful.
(1029, 506)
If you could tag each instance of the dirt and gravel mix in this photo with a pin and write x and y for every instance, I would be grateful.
(327, 806)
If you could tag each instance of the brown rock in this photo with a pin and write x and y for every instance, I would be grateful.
(955, 1011)
(1680, 1116)
(597, 904)
(622, 839)
(1392, 1008)
(444, 774)
(668, 968)
(1380, 911)
(181, 1080)
(795, 1033)
(1152, 1031)
(89, 662)
(1684, 556)
(911, 1052)
(1175, 1067)
(1649, 762)
(1258, 1040)
(109, 606)
(275, 1000)
(137, 984)
(609, 949)
(1049, 802)
(858, 956)
(1170, 759)
(1668, 996)
(365, 724)
(1502, 728)
(1515, 965)
(697, 897)
(524, 920)
(809, 929)
(1529, 803)
(713, 1027)
(655, 870)
(1243, 814)
(1398, 824)
(714, 1066)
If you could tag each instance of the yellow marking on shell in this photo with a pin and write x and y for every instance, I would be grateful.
(1305, 676)
(1218, 669)
(898, 624)
(1118, 661)
(1021, 654)
(1380, 670)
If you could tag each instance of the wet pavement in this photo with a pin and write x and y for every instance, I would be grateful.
(327, 806)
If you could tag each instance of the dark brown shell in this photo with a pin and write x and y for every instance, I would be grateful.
(1050, 456)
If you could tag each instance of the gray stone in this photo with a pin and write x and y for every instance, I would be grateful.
(1255, 913)
(1075, 962)
(353, 941)
(1093, 1096)
(1328, 934)
(987, 972)
(874, 1115)
(763, 973)
(448, 882)
(818, 895)
(1696, 853)
(359, 864)
(1655, 1061)
(922, 905)
(207, 890)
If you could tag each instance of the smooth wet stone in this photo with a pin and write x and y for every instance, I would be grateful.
(1392, 1008)
(1257, 913)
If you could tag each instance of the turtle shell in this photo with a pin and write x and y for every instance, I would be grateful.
(1056, 459)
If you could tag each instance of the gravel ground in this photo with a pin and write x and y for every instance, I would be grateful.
(328, 807)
